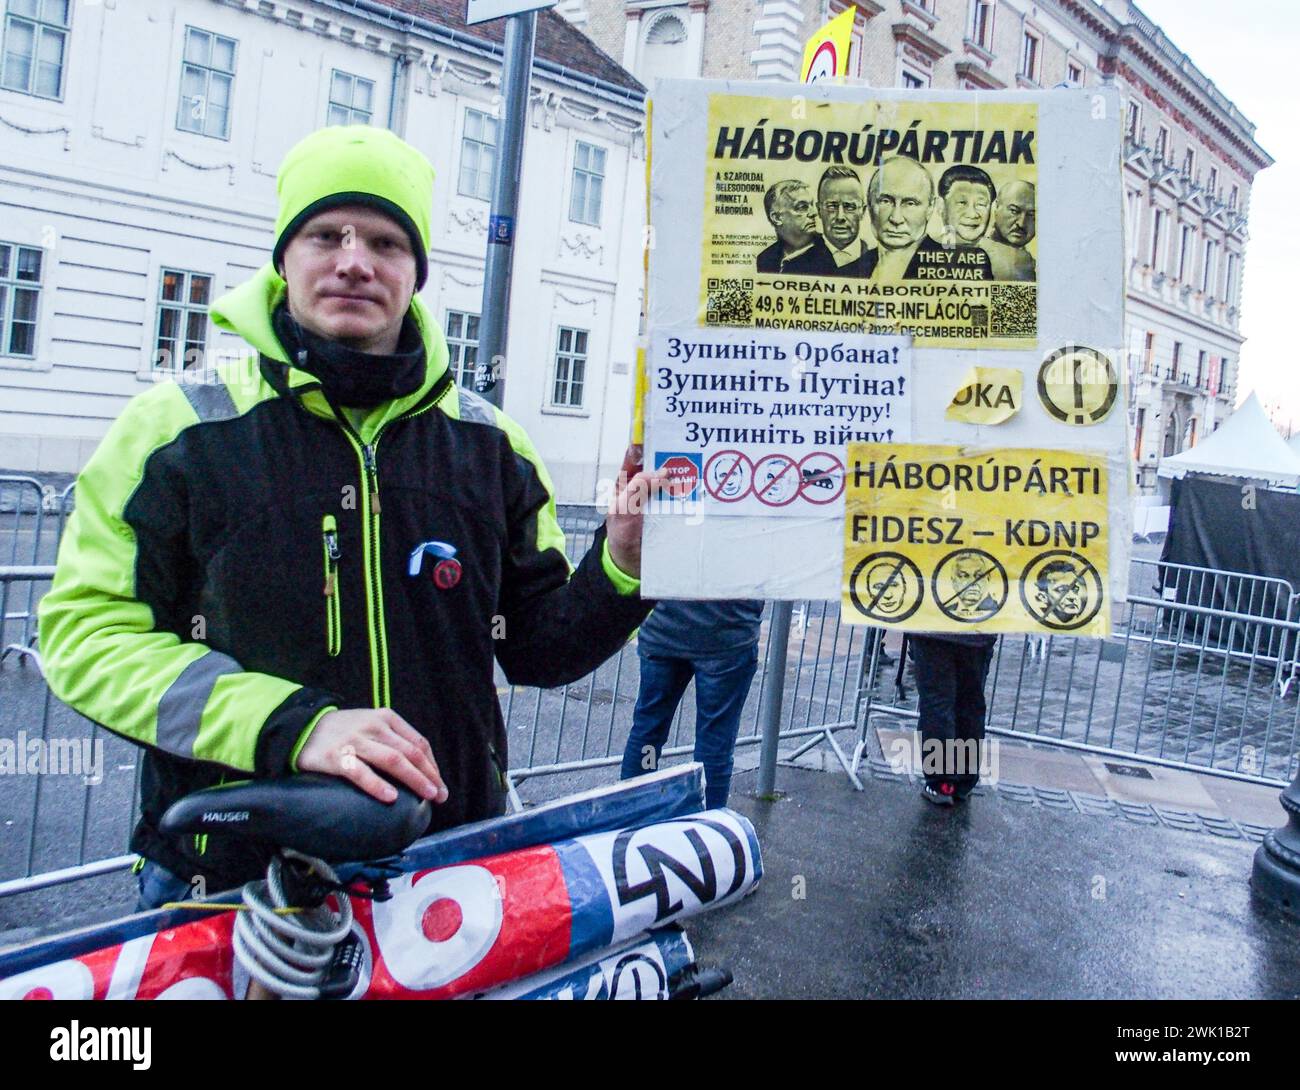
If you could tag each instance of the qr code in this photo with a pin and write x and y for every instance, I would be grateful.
(731, 302)
(1015, 310)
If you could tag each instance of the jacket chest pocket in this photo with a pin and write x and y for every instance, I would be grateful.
(331, 554)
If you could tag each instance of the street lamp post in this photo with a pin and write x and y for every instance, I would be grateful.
(1275, 878)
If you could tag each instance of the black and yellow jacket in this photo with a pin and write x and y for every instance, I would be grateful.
(237, 565)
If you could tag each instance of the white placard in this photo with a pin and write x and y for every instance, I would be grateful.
(757, 425)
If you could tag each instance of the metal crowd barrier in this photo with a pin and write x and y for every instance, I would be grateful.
(1193, 679)
(31, 520)
(1182, 684)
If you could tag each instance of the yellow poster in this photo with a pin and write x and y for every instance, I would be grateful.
(987, 395)
(879, 216)
(949, 539)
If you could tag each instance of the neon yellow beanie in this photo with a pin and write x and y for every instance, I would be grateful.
(356, 164)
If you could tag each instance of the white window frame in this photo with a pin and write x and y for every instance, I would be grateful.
(460, 345)
(1161, 149)
(480, 188)
(573, 360)
(1134, 222)
(352, 113)
(1189, 161)
(1032, 71)
(184, 111)
(1234, 197)
(1157, 229)
(1212, 182)
(184, 308)
(1209, 267)
(580, 199)
(1133, 120)
(1186, 237)
(1229, 279)
(907, 70)
(43, 29)
(978, 34)
(10, 285)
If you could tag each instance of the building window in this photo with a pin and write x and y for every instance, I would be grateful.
(1074, 73)
(1157, 235)
(1031, 50)
(1171, 436)
(1132, 222)
(1212, 186)
(20, 292)
(1201, 376)
(351, 100)
(207, 76)
(1162, 142)
(1137, 434)
(981, 24)
(1185, 251)
(911, 80)
(462, 345)
(1189, 162)
(35, 41)
(1132, 119)
(478, 155)
(570, 368)
(1148, 353)
(1230, 281)
(1232, 198)
(588, 184)
(182, 338)
(1208, 269)
(1178, 357)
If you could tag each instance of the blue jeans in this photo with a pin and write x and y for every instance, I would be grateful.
(721, 685)
(158, 885)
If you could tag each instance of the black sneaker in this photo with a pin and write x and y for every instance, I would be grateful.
(940, 794)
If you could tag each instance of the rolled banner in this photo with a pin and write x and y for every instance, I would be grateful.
(458, 929)
(644, 968)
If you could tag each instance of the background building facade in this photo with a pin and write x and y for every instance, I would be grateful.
(139, 142)
(1190, 156)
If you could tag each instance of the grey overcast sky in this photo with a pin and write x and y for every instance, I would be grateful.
(1251, 50)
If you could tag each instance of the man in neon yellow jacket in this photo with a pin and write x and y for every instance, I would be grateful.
(307, 560)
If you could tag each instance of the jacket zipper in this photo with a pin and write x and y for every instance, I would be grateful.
(333, 617)
(370, 517)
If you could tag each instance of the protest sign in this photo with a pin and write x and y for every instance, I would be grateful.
(750, 428)
(826, 52)
(944, 539)
(983, 228)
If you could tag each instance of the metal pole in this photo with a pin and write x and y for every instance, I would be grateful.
(516, 67)
(778, 640)
(1275, 877)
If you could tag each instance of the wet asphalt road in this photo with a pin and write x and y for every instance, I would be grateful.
(903, 900)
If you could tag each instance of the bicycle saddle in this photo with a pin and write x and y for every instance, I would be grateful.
(318, 815)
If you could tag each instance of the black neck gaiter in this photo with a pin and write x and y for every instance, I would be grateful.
(357, 380)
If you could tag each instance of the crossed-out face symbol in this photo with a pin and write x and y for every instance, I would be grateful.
(970, 585)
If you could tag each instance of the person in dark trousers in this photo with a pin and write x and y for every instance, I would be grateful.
(717, 644)
(951, 668)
